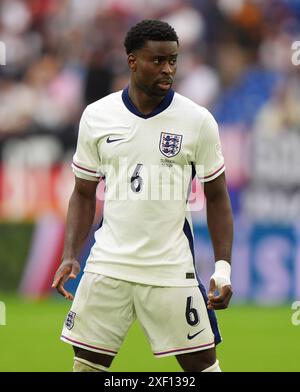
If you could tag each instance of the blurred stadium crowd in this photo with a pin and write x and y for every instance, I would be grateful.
(64, 54)
(235, 59)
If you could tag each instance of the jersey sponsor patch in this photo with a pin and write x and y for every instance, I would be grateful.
(70, 320)
(170, 144)
(190, 275)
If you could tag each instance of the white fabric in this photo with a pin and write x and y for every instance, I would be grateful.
(213, 369)
(104, 309)
(142, 237)
(82, 365)
(222, 273)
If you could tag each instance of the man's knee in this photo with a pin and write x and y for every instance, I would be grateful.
(215, 368)
(89, 361)
(198, 361)
(82, 365)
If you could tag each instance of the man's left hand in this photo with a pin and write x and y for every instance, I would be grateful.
(220, 301)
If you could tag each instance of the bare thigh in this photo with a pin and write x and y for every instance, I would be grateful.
(99, 359)
(197, 361)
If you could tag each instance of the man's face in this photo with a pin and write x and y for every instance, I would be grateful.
(154, 66)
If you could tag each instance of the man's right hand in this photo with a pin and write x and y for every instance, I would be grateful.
(68, 269)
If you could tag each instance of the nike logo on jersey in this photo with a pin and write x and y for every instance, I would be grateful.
(193, 336)
(108, 140)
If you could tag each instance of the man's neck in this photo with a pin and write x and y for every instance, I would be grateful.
(143, 102)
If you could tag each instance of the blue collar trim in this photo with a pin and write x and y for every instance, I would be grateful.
(166, 102)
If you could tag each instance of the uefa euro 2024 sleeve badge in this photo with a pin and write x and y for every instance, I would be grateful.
(70, 320)
(170, 144)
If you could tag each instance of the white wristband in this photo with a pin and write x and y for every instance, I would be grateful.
(222, 272)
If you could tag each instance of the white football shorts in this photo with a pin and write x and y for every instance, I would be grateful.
(175, 319)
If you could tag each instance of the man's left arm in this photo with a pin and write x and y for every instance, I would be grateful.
(220, 225)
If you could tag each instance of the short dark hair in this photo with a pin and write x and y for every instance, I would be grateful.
(148, 30)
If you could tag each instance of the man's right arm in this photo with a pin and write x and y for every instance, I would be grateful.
(80, 218)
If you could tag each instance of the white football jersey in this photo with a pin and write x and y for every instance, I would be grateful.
(147, 163)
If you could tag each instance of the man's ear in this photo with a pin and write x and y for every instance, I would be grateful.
(132, 62)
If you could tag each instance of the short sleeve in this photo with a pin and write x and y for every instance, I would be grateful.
(209, 157)
(86, 161)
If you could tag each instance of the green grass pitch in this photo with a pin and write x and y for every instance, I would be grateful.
(254, 339)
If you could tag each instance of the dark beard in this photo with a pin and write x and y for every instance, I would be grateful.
(152, 91)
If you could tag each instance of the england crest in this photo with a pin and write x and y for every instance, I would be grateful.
(70, 320)
(170, 144)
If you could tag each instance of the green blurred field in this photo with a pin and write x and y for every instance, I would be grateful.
(255, 339)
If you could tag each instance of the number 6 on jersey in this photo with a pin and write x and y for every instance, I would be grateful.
(136, 180)
(191, 314)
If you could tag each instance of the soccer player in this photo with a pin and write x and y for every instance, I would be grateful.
(142, 141)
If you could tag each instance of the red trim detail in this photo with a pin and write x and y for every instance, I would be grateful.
(184, 349)
(210, 175)
(88, 345)
(83, 168)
